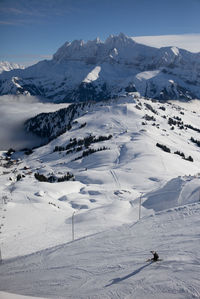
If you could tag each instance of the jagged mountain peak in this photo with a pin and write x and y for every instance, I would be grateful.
(126, 49)
(80, 50)
(118, 38)
(98, 70)
(76, 49)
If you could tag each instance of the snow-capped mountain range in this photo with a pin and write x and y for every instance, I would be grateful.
(96, 70)
(8, 66)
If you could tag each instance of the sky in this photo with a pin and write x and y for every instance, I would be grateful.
(33, 30)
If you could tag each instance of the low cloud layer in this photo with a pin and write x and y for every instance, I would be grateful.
(14, 111)
(189, 42)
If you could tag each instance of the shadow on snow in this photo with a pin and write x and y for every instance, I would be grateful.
(119, 279)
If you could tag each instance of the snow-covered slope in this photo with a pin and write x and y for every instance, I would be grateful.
(118, 152)
(98, 70)
(8, 66)
(113, 264)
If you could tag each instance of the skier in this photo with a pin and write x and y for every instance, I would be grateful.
(155, 256)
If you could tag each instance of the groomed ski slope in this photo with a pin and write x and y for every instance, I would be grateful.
(112, 264)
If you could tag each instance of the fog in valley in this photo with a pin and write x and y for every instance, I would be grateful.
(14, 111)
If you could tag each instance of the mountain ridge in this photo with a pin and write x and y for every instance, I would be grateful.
(83, 71)
(8, 66)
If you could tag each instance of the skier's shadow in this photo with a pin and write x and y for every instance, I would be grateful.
(118, 279)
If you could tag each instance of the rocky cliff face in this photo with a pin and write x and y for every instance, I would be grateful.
(98, 70)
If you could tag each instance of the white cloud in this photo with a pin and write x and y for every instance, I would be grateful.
(14, 111)
(190, 42)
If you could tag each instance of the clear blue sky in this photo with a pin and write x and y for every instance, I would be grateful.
(31, 30)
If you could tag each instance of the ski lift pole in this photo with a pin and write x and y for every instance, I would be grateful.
(140, 203)
(73, 226)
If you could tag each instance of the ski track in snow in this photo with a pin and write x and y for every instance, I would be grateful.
(115, 178)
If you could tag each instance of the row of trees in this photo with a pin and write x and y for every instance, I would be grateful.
(167, 149)
(195, 141)
(53, 179)
(81, 142)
